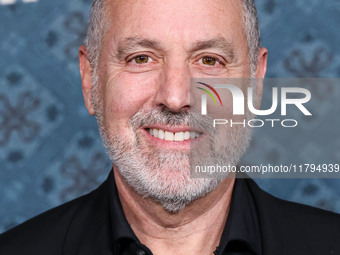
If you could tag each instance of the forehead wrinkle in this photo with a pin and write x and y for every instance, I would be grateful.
(219, 43)
(130, 43)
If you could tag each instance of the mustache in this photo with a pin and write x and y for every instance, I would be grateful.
(164, 116)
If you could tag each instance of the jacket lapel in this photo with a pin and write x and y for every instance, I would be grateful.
(90, 230)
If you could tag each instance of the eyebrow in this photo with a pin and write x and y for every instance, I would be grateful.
(131, 43)
(221, 43)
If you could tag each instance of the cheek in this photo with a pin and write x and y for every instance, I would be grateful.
(125, 96)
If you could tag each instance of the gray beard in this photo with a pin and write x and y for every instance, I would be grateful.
(164, 175)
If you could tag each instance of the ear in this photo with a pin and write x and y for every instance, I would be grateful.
(260, 73)
(86, 78)
(261, 68)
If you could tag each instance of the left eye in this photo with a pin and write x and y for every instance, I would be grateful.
(210, 61)
(141, 59)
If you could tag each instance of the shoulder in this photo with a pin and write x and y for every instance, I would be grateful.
(46, 233)
(300, 228)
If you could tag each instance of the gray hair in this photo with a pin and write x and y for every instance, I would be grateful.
(252, 31)
(96, 31)
(99, 25)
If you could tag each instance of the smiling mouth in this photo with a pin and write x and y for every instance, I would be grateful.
(173, 136)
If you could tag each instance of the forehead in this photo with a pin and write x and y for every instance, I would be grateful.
(176, 21)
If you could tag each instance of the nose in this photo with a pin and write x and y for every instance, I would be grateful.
(174, 87)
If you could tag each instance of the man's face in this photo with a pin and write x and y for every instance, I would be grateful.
(148, 56)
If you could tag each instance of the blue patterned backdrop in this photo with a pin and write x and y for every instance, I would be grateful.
(50, 150)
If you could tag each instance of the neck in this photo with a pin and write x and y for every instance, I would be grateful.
(196, 229)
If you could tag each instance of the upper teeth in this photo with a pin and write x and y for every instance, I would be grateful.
(172, 136)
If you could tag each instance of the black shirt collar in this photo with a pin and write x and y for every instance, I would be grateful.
(121, 229)
(242, 226)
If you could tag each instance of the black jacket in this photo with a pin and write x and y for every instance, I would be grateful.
(82, 226)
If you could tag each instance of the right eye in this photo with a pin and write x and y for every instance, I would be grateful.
(210, 61)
